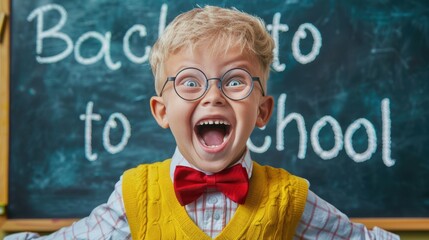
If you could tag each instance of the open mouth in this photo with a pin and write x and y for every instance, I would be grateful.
(213, 133)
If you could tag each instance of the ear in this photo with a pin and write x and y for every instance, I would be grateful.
(265, 110)
(159, 111)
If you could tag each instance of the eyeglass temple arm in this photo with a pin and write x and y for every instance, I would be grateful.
(166, 81)
(260, 84)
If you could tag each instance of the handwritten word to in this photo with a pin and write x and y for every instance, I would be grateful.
(299, 35)
(347, 143)
(112, 122)
(55, 33)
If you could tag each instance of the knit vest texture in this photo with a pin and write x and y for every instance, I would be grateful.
(273, 207)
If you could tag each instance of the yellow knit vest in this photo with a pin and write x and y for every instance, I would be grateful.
(273, 207)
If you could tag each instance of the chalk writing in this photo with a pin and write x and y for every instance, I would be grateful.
(90, 116)
(302, 34)
(105, 40)
(104, 52)
(111, 123)
(283, 121)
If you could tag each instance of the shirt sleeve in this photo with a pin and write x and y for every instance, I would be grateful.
(321, 220)
(107, 221)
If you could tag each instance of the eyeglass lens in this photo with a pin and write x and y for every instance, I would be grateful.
(192, 84)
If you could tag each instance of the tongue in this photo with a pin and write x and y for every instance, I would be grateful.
(212, 136)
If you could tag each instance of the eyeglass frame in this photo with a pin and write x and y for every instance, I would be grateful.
(219, 85)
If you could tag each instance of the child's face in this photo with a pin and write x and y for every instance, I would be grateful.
(211, 147)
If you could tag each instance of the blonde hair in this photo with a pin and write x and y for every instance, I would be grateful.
(221, 28)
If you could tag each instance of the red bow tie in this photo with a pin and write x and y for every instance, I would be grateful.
(189, 183)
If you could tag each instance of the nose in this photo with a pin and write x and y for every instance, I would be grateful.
(214, 95)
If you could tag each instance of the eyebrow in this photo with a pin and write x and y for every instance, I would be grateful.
(245, 64)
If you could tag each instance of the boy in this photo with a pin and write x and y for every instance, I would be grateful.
(211, 66)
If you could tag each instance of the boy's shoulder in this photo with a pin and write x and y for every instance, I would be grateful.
(270, 169)
(163, 163)
(277, 174)
(141, 170)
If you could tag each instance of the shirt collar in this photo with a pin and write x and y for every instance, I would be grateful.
(179, 160)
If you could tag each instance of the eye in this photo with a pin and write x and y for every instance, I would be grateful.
(191, 83)
(234, 83)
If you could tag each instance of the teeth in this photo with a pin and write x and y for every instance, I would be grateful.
(213, 122)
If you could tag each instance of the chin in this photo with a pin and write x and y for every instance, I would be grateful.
(213, 168)
(215, 162)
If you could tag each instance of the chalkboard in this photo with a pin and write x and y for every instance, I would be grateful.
(350, 82)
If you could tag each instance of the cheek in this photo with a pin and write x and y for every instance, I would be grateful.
(252, 107)
(179, 118)
(248, 116)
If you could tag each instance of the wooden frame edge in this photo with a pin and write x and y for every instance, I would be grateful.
(4, 103)
(35, 225)
(51, 225)
(395, 224)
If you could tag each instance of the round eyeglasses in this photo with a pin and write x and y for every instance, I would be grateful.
(191, 84)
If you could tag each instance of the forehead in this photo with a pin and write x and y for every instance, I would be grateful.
(212, 59)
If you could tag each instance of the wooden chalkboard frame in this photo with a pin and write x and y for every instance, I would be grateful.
(49, 225)
(4, 102)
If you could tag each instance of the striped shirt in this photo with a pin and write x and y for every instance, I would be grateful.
(211, 213)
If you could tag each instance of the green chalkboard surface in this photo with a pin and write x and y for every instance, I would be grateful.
(350, 80)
